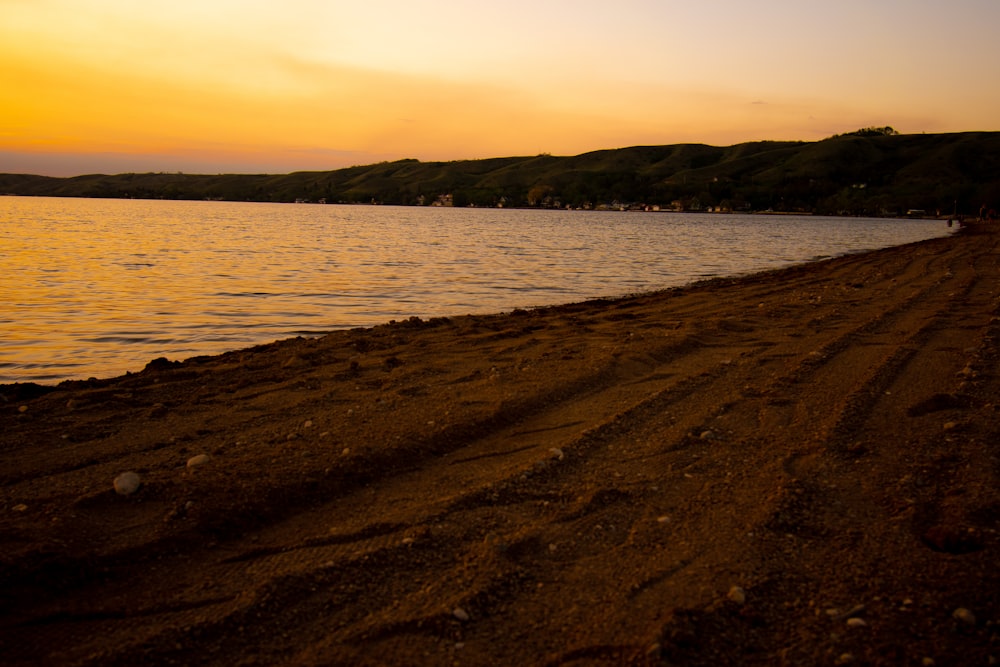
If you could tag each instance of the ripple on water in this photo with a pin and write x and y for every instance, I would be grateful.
(99, 287)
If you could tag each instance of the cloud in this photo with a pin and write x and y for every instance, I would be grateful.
(211, 85)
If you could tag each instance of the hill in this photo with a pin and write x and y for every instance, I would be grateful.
(855, 174)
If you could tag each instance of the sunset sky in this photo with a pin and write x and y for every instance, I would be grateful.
(276, 86)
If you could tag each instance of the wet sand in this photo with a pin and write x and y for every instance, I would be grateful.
(794, 467)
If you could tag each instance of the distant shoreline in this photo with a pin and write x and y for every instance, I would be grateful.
(530, 208)
(874, 176)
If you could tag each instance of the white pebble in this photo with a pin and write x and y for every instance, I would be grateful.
(199, 460)
(963, 615)
(737, 595)
(127, 483)
(460, 614)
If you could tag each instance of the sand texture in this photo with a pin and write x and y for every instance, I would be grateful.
(797, 467)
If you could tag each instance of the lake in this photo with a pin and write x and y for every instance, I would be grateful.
(98, 287)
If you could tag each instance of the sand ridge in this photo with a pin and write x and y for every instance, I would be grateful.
(793, 467)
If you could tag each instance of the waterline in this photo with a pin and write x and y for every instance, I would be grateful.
(100, 287)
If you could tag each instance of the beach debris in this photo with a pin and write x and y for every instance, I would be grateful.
(963, 615)
(294, 361)
(199, 460)
(737, 595)
(854, 611)
(967, 372)
(127, 483)
(460, 614)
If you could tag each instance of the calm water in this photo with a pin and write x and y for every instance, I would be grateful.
(97, 287)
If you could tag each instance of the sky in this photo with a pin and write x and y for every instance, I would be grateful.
(274, 86)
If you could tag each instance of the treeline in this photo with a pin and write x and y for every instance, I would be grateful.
(869, 172)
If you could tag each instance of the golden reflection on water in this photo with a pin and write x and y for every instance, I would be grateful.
(96, 287)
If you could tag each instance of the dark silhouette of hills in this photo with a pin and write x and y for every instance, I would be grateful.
(862, 173)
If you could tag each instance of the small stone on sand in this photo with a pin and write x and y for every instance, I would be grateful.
(460, 614)
(737, 595)
(963, 615)
(199, 460)
(127, 483)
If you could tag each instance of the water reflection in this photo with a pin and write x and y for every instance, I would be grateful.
(98, 287)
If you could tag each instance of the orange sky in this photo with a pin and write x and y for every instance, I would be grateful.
(257, 85)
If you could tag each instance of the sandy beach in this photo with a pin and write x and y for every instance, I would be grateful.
(798, 467)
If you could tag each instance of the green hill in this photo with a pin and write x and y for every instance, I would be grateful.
(853, 174)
